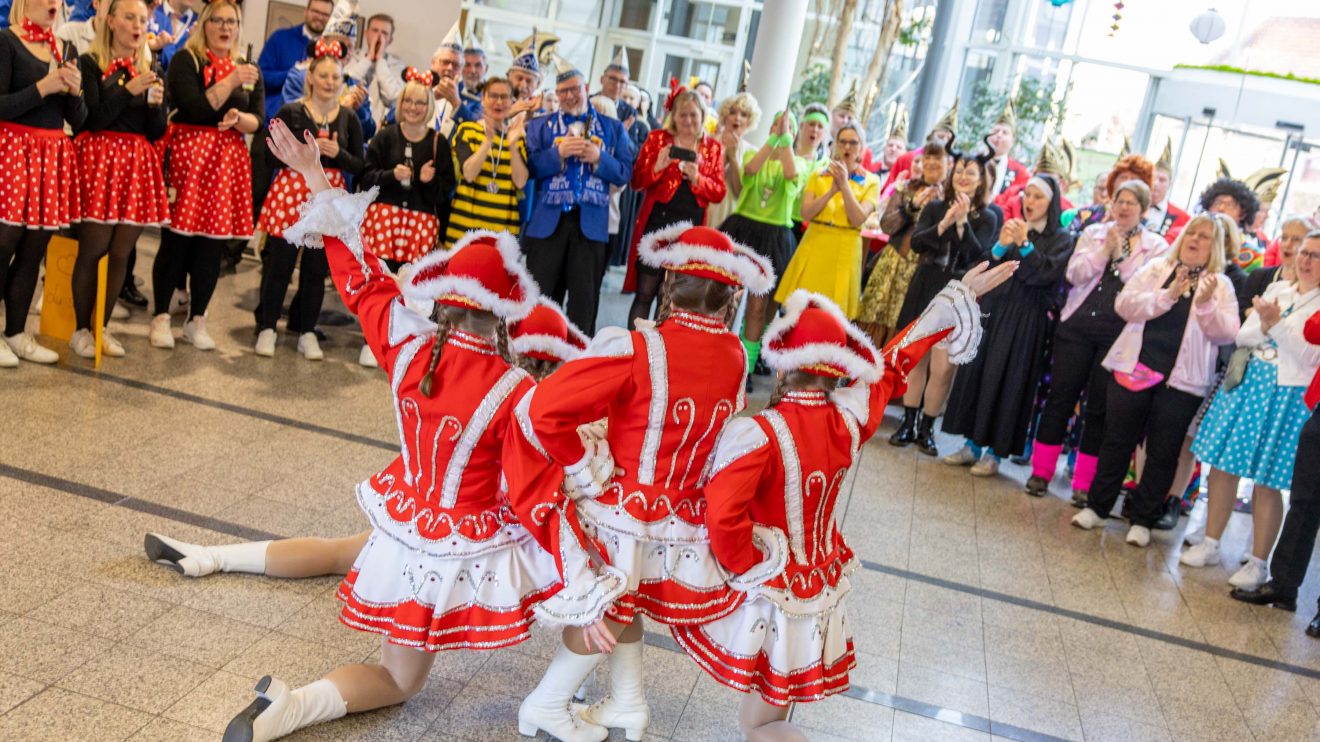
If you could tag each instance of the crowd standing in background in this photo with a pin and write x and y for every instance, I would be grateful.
(1129, 339)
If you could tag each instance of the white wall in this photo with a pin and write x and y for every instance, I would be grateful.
(421, 24)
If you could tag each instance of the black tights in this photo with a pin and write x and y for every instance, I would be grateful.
(183, 256)
(95, 241)
(648, 285)
(21, 252)
(280, 258)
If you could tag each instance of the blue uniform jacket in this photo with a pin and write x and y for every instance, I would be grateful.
(615, 169)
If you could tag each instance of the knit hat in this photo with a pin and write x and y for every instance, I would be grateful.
(813, 335)
(707, 253)
(546, 334)
(482, 271)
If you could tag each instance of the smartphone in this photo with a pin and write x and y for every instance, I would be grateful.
(682, 155)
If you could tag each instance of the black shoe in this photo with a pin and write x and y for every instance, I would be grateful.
(1269, 594)
(926, 435)
(906, 434)
(1313, 628)
(240, 727)
(1021, 459)
(1080, 498)
(1168, 519)
(1037, 486)
(760, 369)
(131, 295)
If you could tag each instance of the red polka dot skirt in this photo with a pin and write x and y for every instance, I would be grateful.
(122, 181)
(209, 180)
(395, 233)
(287, 194)
(38, 177)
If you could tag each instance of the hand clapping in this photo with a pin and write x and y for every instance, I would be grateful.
(1269, 312)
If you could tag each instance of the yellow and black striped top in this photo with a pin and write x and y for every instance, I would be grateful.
(475, 206)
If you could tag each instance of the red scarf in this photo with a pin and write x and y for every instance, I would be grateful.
(34, 34)
(217, 68)
(123, 63)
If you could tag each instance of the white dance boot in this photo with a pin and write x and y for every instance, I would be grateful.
(193, 560)
(625, 707)
(548, 708)
(277, 711)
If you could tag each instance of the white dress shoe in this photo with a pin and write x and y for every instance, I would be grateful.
(26, 347)
(310, 347)
(266, 343)
(1202, 554)
(194, 333)
(110, 345)
(988, 466)
(1138, 536)
(1086, 519)
(7, 357)
(161, 335)
(961, 457)
(366, 358)
(83, 344)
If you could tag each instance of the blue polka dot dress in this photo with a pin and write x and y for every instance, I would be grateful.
(1252, 429)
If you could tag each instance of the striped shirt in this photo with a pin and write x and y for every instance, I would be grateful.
(475, 206)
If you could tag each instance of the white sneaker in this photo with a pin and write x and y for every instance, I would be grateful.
(1203, 554)
(1194, 537)
(26, 347)
(161, 335)
(110, 345)
(1252, 575)
(961, 457)
(266, 343)
(988, 466)
(1087, 519)
(309, 347)
(7, 357)
(366, 358)
(119, 312)
(1138, 536)
(180, 301)
(83, 344)
(194, 332)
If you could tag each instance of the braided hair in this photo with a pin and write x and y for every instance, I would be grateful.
(502, 343)
(443, 325)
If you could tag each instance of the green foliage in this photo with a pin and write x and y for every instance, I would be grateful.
(915, 31)
(815, 87)
(1253, 73)
(1035, 106)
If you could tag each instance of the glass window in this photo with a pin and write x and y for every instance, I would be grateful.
(989, 23)
(530, 7)
(682, 68)
(975, 74)
(635, 14)
(708, 22)
(1047, 26)
(584, 12)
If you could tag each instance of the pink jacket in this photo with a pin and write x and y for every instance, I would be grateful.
(1090, 260)
(1209, 326)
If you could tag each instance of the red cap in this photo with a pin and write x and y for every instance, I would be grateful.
(483, 271)
(707, 253)
(814, 336)
(547, 334)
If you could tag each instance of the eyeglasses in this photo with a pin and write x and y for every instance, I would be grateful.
(1308, 255)
(224, 22)
(566, 92)
(849, 143)
(499, 97)
(617, 79)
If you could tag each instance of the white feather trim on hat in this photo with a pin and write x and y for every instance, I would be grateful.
(854, 364)
(434, 288)
(663, 249)
(574, 331)
(548, 344)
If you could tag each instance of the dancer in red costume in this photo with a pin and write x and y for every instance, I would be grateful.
(541, 342)
(665, 392)
(447, 565)
(781, 471)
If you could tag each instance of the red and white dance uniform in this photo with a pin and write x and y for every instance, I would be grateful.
(38, 163)
(666, 393)
(208, 172)
(122, 180)
(447, 565)
(404, 222)
(780, 472)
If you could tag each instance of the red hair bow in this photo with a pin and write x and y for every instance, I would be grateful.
(328, 48)
(425, 77)
(675, 90)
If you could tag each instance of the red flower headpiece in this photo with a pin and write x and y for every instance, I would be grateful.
(675, 90)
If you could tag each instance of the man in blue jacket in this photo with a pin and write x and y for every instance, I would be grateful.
(574, 156)
(287, 47)
(170, 23)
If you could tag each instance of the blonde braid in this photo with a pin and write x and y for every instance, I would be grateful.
(502, 343)
(666, 304)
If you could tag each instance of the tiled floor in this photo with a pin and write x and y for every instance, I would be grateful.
(979, 612)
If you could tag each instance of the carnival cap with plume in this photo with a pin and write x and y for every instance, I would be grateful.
(1127, 147)
(814, 336)
(900, 128)
(453, 40)
(540, 43)
(746, 77)
(483, 271)
(1266, 182)
(949, 121)
(1008, 117)
(1165, 162)
(526, 58)
(343, 20)
(620, 63)
(849, 102)
(707, 253)
(546, 334)
(1051, 161)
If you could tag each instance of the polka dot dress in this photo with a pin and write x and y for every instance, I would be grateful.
(38, 177)
(395, 233)
(209, 179)
(287, 194)
(1252, 429)
(122, 180)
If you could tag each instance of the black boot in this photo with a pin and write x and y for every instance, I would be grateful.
(1313, 628)
(130, 294)
(1269, 594)
(907, 432)
(926, 435)
(1169, 518)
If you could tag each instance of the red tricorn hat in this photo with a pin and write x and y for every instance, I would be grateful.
(546, 334)
(483, 271)
(707, 253)
(814, 336)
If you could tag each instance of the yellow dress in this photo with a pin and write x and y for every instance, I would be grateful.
(829, 259)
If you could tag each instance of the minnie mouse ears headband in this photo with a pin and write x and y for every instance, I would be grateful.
(327, 48)
(425, 77)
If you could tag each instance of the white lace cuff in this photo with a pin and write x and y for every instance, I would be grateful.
(587, 593)
(955, 306)
(773, 546)
(332, 213)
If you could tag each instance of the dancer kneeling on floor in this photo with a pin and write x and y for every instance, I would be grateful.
(541, 342)
(446, 566)
(781, 471)
(665, 392)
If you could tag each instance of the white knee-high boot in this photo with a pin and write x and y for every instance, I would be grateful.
(278, 711)
(625, 707)
(548, 708)
(193, 560)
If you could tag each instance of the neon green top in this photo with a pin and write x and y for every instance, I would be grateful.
(768, 197)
